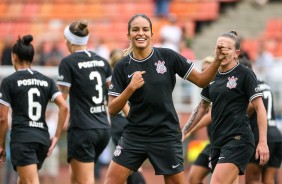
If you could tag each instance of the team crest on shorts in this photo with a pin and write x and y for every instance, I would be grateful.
(210, 165)
(117, 152)
(232, 82)
(161, 68)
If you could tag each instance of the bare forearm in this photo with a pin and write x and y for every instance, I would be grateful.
(116, 104)
(262, 125)
(3, 124)
(3, 130)
(206, 120)
(208, 75)
(125, 109)
(62, 117)
(196, 116)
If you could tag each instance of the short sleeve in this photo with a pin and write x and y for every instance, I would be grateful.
(108, 71)
(182, 66)
(205, 94)
(5, 97)
(117, 82)
(250, 85)
(54, 91)
(65, 77)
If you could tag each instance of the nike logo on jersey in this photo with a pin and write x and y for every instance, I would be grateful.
(174, 166)
(212, 82)
(129, 76)
(219, 158)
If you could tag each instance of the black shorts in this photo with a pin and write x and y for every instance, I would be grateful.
(23, 154)
(203, 158)
(87, 145)
(166, 157)
(117, 125)
(275, 155)
(235, 151)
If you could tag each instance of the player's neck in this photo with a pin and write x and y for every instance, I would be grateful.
(226, 68)
(76, 48)
(23, 66)
(142, 53)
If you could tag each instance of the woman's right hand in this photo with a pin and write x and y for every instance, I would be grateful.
(221, 52)
(137, 80)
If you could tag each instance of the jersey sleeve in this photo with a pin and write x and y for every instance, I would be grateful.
(205, 94)
(108, 71)
(65, 76)
(5, 97)
(182, 66)
(117, 82)
(251, 85)
(54, 91)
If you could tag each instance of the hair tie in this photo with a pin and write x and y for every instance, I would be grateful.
(77, 40)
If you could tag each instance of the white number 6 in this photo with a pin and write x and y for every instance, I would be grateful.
(34, 105)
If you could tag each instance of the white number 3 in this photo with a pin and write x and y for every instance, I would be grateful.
(99, 87)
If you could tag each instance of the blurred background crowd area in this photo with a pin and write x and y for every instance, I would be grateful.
(189, 27)
(199, 21)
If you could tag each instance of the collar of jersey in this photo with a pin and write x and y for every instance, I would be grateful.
(142, 60)
(228, 70)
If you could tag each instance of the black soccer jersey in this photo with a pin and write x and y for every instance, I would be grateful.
(230, 93)
(152, 113)
(86, 74)
(28, 92)
(273, 133)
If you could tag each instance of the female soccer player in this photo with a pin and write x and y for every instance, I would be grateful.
(84, 76)
(146, 78)
(232, 141)
(28, 92)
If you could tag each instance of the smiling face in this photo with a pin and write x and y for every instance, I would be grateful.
(140, 33)
(229, 47)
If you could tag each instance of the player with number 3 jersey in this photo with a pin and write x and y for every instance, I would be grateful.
(84, 76)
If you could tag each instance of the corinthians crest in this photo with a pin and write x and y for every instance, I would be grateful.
(117, 152)
(161, 67)
(232, 82)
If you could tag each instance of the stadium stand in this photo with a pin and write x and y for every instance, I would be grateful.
(108, 18)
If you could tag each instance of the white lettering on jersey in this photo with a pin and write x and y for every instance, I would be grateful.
(61, 77)
(262, 87)
(98, 109)
(32, 82)
(90, 64)
(36, 124)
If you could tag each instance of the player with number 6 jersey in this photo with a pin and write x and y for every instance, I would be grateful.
(28, 92)
(84, 76)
